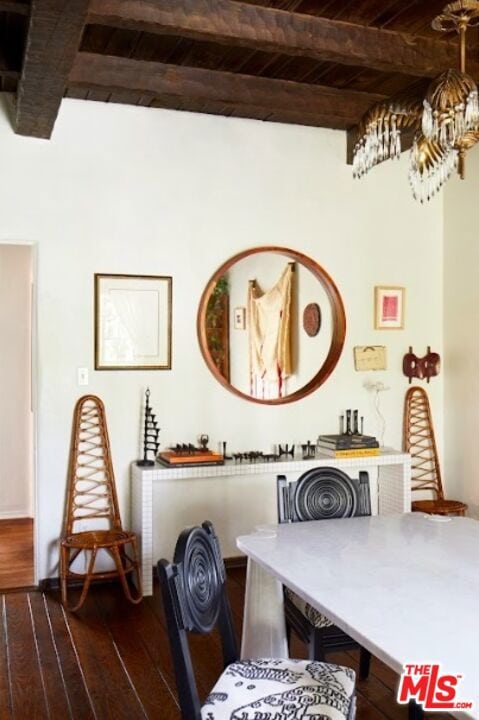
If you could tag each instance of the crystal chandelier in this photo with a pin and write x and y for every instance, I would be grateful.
(445, 122)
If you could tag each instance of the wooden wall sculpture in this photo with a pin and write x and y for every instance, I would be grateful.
(420, 368)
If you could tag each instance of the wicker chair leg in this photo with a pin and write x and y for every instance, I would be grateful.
(119, 562)
(86, 585)
(64, 564)
(364, 663)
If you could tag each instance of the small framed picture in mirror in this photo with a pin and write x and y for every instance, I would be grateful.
(239, 318)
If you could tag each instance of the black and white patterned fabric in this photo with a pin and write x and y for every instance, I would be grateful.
(310, 613)
(282, 690)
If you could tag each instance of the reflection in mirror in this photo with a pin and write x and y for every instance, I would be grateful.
(217, 326)
(250, 325)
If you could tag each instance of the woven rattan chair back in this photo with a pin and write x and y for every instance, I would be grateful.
(419, 441)
(92, 517)
(91, 484)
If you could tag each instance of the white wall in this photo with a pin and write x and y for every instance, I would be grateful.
(127, 189)
(461, 345)
(16, 456)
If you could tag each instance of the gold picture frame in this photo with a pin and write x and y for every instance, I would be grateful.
(133, 322)
(389, 307)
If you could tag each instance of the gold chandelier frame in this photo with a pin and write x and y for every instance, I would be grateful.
(445, 122)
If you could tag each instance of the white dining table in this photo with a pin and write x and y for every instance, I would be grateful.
(405, 586)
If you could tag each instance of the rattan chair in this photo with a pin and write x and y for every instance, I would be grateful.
(92, 517)
(322, 494)
(195, 600)
(419, 441)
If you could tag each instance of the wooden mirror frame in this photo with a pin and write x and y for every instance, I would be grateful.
(338, 319)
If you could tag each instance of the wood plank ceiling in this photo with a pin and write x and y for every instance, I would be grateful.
(313, 62)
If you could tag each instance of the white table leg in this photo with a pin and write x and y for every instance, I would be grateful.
(264, 628)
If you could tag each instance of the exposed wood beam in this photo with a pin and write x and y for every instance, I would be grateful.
(334, 108)
(278, 31)
(10, 6)
(54, 35)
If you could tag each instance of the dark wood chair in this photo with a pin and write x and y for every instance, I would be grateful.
(92, 507)
(420, 442)
(195, 600)
(322, 494)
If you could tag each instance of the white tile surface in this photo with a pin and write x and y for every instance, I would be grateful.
(405, 586)
(187, 496)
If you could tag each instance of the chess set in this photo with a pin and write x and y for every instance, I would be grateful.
(188, 455)
(308, 451)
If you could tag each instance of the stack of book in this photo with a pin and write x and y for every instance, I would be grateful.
(344, 446)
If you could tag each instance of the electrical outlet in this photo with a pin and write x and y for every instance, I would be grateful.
(82, 375)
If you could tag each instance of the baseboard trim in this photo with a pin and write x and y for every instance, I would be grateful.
(47, 584)
(53, 584)
(234, 563)
(19, 589)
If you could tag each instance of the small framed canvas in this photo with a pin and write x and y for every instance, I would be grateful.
(239, 315)
(132, 322)
(389, 307)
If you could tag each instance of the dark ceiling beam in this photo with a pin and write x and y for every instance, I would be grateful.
(53, 38)
(279, 31)
(336, 108)
(10, 6)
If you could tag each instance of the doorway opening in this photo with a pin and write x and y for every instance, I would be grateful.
(16, 418)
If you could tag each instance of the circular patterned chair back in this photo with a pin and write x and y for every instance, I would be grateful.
(201, 574)
(325, 493)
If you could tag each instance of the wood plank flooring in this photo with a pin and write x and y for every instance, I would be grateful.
(111, 660)
(16, 553)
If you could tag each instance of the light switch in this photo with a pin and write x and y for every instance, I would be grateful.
(82, 376)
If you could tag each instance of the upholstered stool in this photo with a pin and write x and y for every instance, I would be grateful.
(281, 689)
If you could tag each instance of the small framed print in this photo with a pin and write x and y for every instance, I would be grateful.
(389, 307)
(239, 318)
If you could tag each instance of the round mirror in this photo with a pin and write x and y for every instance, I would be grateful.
(254, 325)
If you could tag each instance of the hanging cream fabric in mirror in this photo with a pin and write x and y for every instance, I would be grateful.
(370, 357)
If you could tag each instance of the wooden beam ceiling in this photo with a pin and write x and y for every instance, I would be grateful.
(246, 58)
(323, 105)
(54, 35)
(18, 8)
(278, 31)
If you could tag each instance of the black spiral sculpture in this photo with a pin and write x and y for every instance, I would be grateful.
(196, 556)
(325, 493)
(150, 434)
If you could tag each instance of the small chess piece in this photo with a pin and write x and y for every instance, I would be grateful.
(203, 441)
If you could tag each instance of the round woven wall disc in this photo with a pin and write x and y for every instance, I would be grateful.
(312, 319)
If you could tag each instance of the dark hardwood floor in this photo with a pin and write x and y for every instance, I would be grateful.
(16, 553)
(111, 660)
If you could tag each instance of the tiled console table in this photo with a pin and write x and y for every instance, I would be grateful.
(238, 496)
